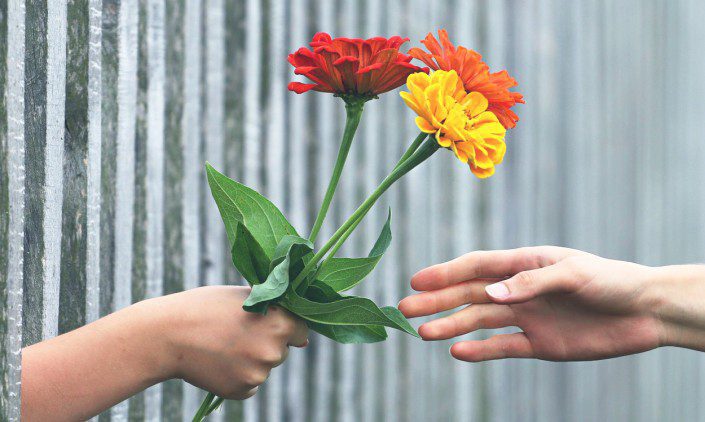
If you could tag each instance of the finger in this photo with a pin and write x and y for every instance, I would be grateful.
(299, 336)
(526, 285)
(486, 264)
(428, 303)
(472, 318)
(250, 393)
(501, 346)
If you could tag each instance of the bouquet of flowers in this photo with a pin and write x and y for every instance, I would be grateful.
(460, 106)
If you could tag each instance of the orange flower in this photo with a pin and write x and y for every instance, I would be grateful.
(474, 73)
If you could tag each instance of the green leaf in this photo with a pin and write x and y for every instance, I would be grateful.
(290, 250)
(319, 292)
(344, 273)
(345, 310)
(350, 334)
(297, 247)
(239, 204)
(248, 256)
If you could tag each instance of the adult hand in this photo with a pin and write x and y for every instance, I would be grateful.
(569, 304)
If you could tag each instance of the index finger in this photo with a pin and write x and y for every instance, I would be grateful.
(486, 264)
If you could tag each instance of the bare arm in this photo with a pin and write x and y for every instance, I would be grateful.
(202, 336)
(569, 305)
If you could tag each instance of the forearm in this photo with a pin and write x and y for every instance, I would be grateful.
(677, 297)
(81, 373)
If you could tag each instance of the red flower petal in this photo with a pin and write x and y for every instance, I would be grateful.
(299, 87)
(352, 66)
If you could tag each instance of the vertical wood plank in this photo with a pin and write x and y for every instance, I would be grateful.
(15, 156)
(155, 172)
(54, 166)
(174, 168)
(274, 158)
(300, 140)
(4, 215)
(192, 167)
(214, 119)
(322, 396)
(252, 139)
(388, 275)
(94, 159)
(347, 200)
(125, 165)
(35, 142)
(465, 195)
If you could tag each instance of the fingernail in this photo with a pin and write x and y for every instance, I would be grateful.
(498, 290)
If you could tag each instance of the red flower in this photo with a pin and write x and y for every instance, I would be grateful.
(474, 73)
(352, 66)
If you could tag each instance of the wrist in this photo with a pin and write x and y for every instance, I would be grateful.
(153, 338)
(676, 299)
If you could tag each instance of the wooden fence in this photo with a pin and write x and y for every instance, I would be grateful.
(110, 108)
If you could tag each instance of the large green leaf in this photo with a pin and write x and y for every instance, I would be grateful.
(319, 292)
(350, 334)
(290, 250)
(344, 273)
(346, 310)
(248, 256)
(239, 204)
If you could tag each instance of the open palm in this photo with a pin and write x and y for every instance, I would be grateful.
(570, 305)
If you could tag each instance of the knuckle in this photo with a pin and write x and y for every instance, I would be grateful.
(255, 378)
(284, 324)
(242, 394)
(272, 358)
(524, 279)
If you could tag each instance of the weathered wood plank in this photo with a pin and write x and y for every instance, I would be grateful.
(325, 106)
(4, 215)
(56, 100)
(155, 174)
(94, 160)
(125, 164)
(300, 141)
(274, 158)
(192, 166)
(15, 158)
(252, 142)
(75, 151)
(174, 103)
(35, 58)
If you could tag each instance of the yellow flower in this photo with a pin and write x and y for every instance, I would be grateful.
(484, 146)
(458, 119)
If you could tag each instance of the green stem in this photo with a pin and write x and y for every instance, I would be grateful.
(422, 153)
(409, 151)
(412, 148)
(353, 111)
(205, 405)
(215, 405)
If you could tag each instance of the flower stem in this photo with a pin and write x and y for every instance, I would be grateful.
(205, 405)
(409, 151)
(353, 112)
(215, 405)
(420, 155)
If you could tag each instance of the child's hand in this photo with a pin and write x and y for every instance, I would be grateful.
(212, 343)
(570, 305)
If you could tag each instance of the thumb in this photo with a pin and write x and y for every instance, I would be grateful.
(527, 285)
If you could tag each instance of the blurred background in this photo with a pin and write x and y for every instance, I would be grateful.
(110, 109)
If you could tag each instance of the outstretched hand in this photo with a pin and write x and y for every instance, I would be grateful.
(569, 305)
